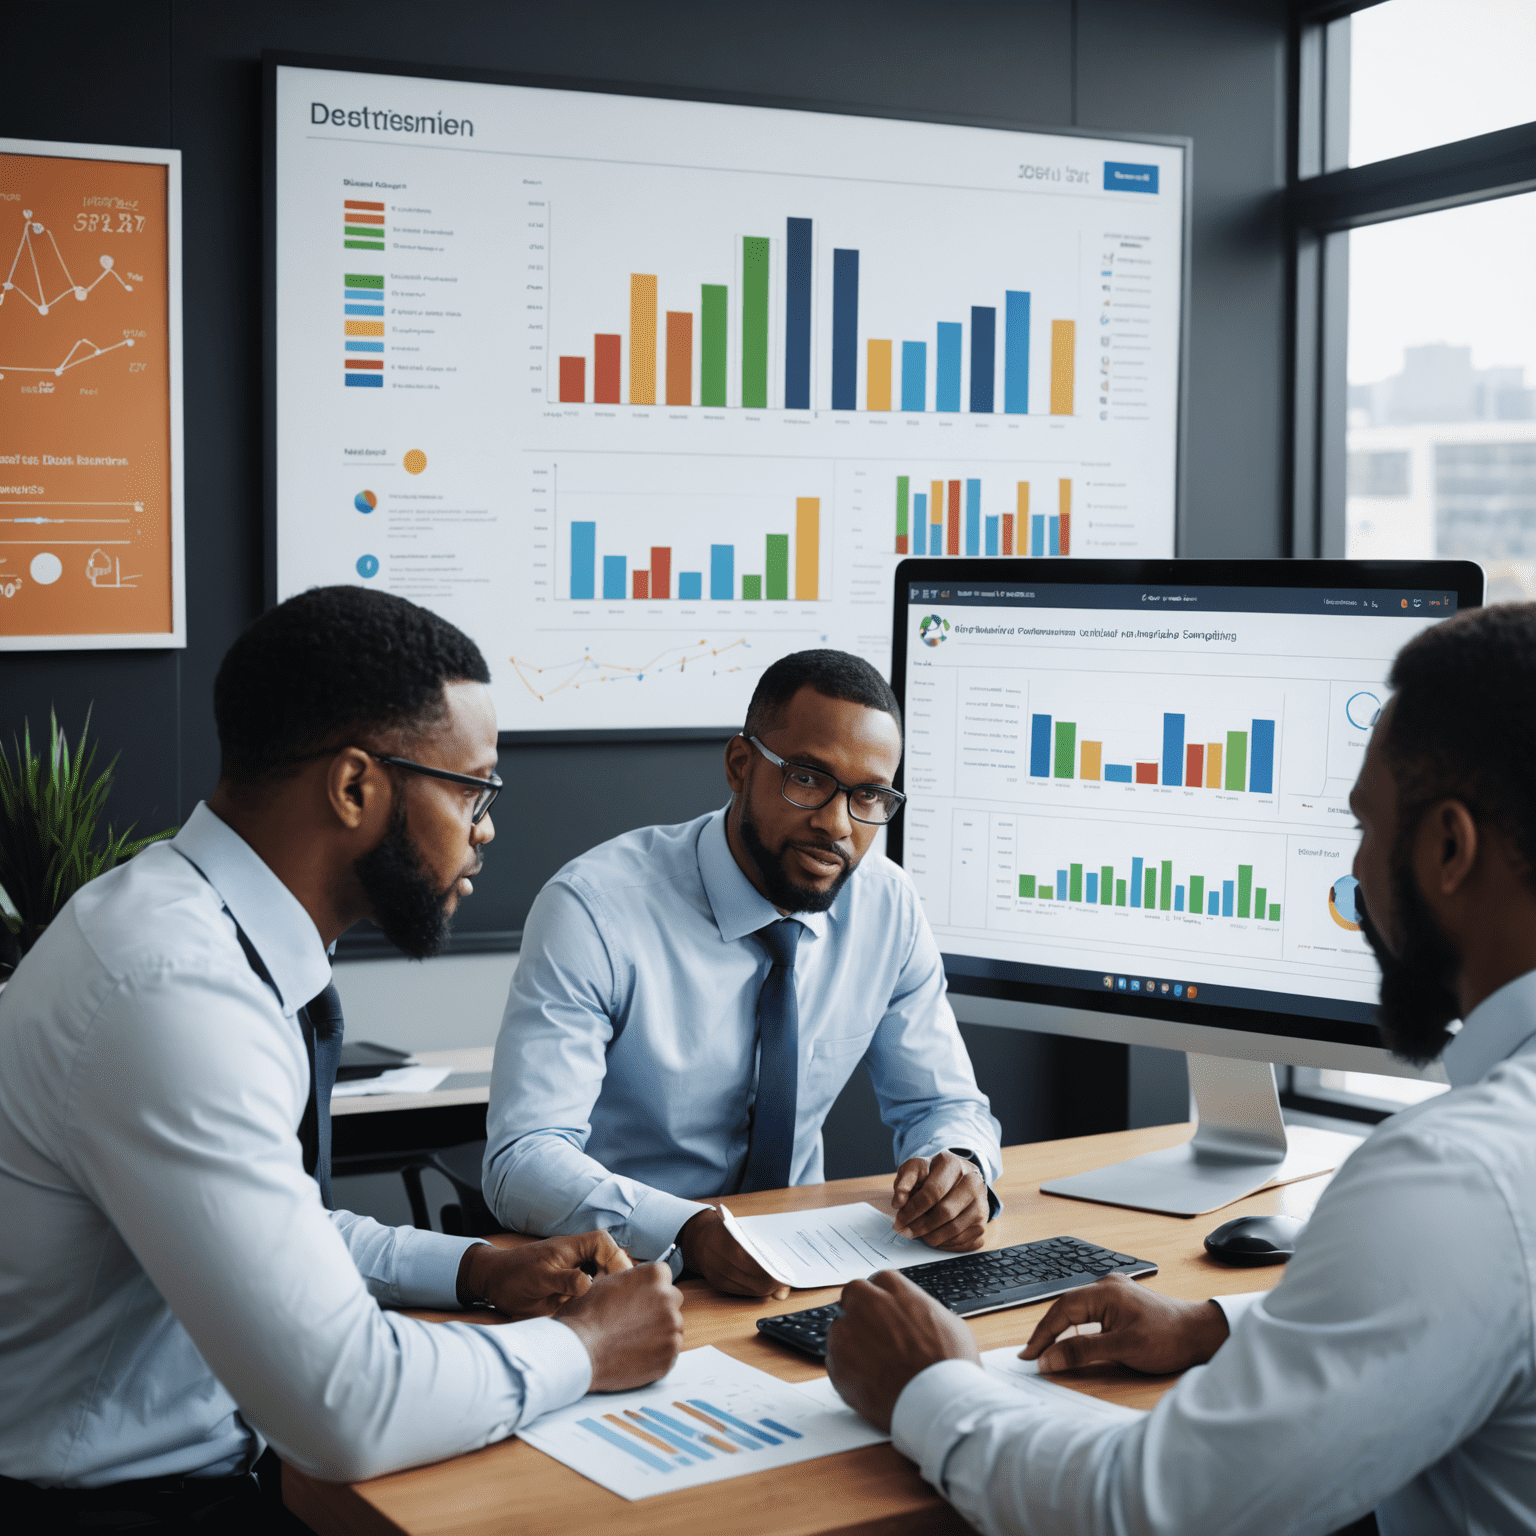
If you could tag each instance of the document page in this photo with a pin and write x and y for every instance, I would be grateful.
(710, 1418)
(1005, 1364)
(809, 1249)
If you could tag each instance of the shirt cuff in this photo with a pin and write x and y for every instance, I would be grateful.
(427, 1268)
(655, 1221)
(939, 1405)
(1236, 1308)
(549, 1357)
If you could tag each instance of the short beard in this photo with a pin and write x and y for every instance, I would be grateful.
(407, 907)
(781, 889)
(1417, 1000)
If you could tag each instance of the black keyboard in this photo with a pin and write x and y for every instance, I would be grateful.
(980, 1282)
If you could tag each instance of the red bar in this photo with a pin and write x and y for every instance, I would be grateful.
(901, 544)
(1194, 767)
(1066, 533)
(573, 380)
(353, 203)
(1007, 533)
(364, 218)
(642, 583)
(1146, 773)
(679, 357)
(661, 572)
(954, 517)
(605, 370)
(366, 362)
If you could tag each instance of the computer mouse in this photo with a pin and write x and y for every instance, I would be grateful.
(1254, 1240)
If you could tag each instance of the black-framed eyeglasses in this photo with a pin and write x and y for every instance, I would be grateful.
(489, 788)
(810, 789)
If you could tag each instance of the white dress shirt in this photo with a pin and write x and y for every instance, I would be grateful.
(1393, 1368)
(173, 1294)
(626, 1068)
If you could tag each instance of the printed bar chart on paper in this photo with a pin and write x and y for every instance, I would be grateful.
(710, 1418)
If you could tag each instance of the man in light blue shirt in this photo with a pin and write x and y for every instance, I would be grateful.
(691, 999)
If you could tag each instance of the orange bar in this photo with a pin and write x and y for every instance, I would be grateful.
(1213, 765)
(364, 218)
(679, 357)
(1194, 766)
(877, 377)
(364, 327)
(901, 544)
(642, 339)
(1146, 773)
(1092, 760)
(661, 571)
(1065, 501)
(573, 380)
(354, 203)
(935, 502)
(1007, 533)
(643, 1434)
(713, 1424)
(954, 517)
(642, 583)
(807, 548)
(1063, 366)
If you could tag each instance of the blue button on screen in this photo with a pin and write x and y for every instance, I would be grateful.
(367, 566)
(1122, 177)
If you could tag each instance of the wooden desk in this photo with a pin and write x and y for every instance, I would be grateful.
(512, 1487)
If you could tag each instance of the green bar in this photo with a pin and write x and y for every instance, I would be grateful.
(1149, 897)
(713, 320)
(754, 322)
(363, 232)
(1106, 885)
(363, 245)
(1244, 885)
(1167, 905)
(1197, 894)
(1075, 883)
(364, 280)
(777, 563)
(1047, 886)
(901, 506)
(1237, 760)
(751, 589)
(1119, 893)
(1026, 885)
(1260, 905)
(1066, 749)
(1274, 912)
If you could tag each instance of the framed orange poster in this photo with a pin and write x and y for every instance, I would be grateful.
(91, 517)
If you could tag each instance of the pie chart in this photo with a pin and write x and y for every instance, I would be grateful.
(365, 501)
(1343, 905)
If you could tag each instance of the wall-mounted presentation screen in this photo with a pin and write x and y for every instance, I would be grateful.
(646, 393)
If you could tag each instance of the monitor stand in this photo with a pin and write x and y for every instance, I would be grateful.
(1241, 1144)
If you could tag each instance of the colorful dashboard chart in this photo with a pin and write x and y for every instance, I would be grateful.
(1243, 760)
(1344, 904)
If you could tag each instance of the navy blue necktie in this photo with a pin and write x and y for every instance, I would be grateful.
(320, 1019)
(771, 1149)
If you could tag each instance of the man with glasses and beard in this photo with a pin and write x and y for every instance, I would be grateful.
(1394, 1367)
(691, 999)
(177, 1298)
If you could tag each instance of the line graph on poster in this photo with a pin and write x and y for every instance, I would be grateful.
(720, 657)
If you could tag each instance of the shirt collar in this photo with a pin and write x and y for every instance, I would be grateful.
(266, 911)
(738, 906)
(1501, 1026)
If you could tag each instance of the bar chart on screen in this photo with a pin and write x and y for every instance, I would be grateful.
(988, 511)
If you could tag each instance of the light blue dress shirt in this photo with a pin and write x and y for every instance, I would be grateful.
(626, 1066)
(173, 1294)
(1393, 1368)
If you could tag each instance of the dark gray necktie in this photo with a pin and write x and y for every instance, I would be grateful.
(320, 1019)
(771, 1149)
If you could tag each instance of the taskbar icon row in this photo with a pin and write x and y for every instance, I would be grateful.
(1146, 986)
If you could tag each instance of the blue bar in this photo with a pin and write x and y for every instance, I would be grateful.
(722, 572)
(680, 1428)
(690, 586)
(1037, 534)
(983, 356)
(914, 375)
(627, 1443)
(1178, 898)
(1136, 882)
(1093, 890)
(1261, 758)
(1173, 750)
(365, 346)
(1212, 906)
(583, 560)
(783, 1429)
(688, 1447)
(845, 330)
(991, 542)
(946, 391)
(1040, 747)
(797, 316)
(367, 295)
(365, 381)
(973, 517)
(935, 538)
(1016, 354)
(1226, 898)
(730, 1418)
(614, 577)
(1061, 885)
(363, 309)
(1055, 542)
(1117, 773)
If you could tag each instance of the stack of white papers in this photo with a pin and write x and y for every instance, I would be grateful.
(396, 1080)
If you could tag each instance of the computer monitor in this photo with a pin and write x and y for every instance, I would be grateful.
(1128, 818)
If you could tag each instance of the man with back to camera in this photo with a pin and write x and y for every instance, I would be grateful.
(690, 1000)
(1394, 1367)
(182, 1297)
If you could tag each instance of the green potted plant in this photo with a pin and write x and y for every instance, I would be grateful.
(51, 807)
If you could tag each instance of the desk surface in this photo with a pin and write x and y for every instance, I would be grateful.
(512, 1486)
(468, 1059)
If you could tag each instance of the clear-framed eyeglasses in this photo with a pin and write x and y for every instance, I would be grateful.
(811, 788)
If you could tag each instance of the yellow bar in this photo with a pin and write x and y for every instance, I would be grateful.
(1064, 498)
(642, 339)
(1023, 513)
(1063, 365)
(807, 547)
(1093, 753)
(1213, 765)
(877, 377)
(365, 327)
(935, 501)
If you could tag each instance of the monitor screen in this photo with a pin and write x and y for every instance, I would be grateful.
(1128, 781)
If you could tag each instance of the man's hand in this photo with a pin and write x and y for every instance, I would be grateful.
(1141, 1329)
(539, 1278)
(942, 1200)
(711, 1250)
(888, 1333)
(631, 1326)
